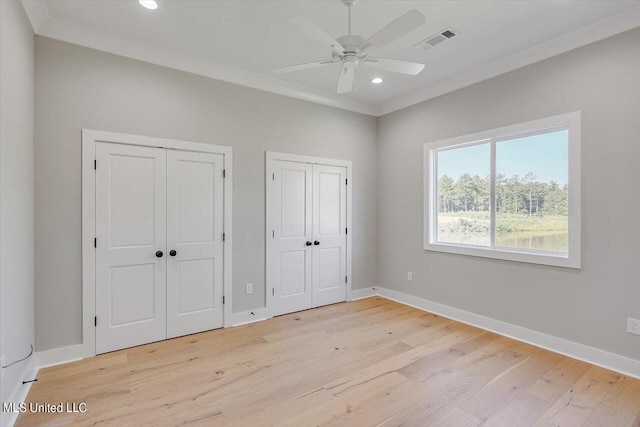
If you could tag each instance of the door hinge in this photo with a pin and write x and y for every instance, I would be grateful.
(345, 279)
(273, 291)
(273, 176)
(95, 164)
(224, 173)
(346, 230)
(346, 181)
(95, 242)
(273, 234)
(95, 321)
(224, 236)
(223, 299)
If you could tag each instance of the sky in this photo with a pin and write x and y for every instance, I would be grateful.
(545, 155)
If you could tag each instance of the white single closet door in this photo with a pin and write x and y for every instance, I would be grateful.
(195, 233)
(131, 238)
(289, 263)
(329, 234)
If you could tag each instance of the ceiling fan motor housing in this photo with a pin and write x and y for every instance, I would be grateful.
(349, 60)
(352, 43)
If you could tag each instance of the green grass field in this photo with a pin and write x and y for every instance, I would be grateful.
(512, 230)
(507, 222)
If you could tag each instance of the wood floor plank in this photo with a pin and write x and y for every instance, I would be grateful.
(285, 409)
(558, 380)
(379, 369)
(509, 384)
(423, 368)
(458, 418)
(437, 400)
(344, 404)
(620, 407)
(522, 411)
(574, 407)
(364, 363)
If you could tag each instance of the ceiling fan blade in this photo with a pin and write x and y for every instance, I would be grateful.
(395, 65)
(345, 82)
(304, 66)
(398, 28)
(312, 30)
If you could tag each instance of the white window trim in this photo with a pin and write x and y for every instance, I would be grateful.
(570, 260)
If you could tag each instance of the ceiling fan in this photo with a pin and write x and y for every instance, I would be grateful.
(352, 50)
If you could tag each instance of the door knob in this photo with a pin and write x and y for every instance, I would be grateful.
(308, 243)
(316, 243)
(159, 254)
(173, 252)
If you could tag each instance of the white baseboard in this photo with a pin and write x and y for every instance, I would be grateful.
(604, 359)
(246, 317)
(260, 314)
(357, 294)
(20, 392)
(614, 362)
(39, 360)
(58, 356)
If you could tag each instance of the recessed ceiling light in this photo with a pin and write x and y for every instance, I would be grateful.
(149, 4)
(376, 81)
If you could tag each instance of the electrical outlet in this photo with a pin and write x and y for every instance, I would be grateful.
(248, 288)
(633, 326)
(2, 363)
(410, 277)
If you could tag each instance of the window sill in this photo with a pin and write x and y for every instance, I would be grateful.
(555, 260)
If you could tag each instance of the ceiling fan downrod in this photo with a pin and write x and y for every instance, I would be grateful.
(349, 4)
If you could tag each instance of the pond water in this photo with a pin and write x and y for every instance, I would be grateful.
(541, 240)
(546, 241)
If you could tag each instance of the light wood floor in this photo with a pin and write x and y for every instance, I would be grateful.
(364, 363)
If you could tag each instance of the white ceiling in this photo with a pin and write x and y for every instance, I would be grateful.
(242, 41)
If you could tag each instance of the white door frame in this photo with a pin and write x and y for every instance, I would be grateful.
(271, 158)
(89, 139)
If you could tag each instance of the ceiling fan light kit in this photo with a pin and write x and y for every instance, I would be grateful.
(149, 4)
(352, 50)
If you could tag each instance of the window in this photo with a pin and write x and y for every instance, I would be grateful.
(511, 193)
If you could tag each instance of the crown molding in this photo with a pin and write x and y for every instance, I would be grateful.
(37, 12)
(74, 33)
(56, 28)
(599, 30)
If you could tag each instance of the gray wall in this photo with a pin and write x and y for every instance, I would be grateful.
(589, 306)
(81, 88)
(16, 191)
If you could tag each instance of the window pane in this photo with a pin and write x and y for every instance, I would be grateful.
(463, 195)
(531, 192)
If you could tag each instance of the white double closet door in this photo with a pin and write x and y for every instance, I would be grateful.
(159, 252)
(307, 250)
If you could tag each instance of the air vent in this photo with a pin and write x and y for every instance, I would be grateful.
(448, 33)
(436, 39)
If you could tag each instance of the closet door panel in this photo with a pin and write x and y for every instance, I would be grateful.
(289, 256)
(195, 232)
(130, 233)
(329, 234)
